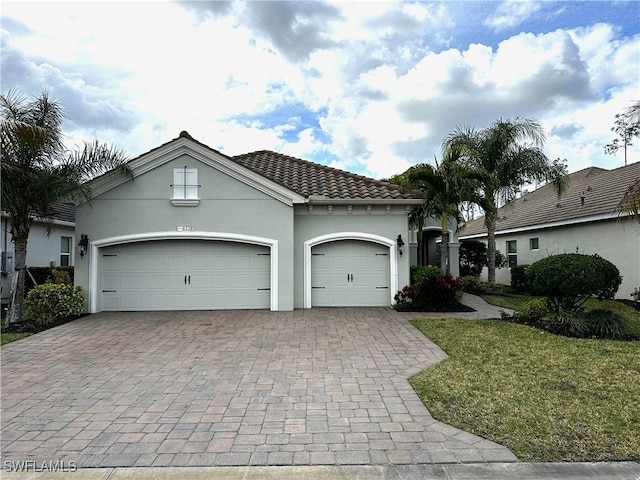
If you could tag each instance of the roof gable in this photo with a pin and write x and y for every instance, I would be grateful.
(185, 144)
(289, 179)
(592, 193)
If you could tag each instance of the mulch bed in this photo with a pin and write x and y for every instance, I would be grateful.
(408, 307)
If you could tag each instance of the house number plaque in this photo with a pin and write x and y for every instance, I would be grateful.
(184, 228)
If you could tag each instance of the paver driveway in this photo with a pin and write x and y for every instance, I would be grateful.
(308, 387)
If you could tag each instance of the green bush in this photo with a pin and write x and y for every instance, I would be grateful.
(473, 285)
(420, 274)
(473, 257)
(570, 323)
(50, 302)
(568, 280)
(46, 274)
(437, 292)
(519, 278)
(532, 311)
(605, 323)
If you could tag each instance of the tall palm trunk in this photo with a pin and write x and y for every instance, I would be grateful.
(491, 249)
(20, 236)
(444, 245)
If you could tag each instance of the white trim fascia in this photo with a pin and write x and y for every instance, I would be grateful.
(368, 237)
(541, 226)
(182, 146)
(96, 245)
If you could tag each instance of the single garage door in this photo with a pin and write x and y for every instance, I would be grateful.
(350, 273)
(185, 275)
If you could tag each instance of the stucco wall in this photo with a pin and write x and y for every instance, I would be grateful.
(42, 249)
(617, 242)
(324, 219)
(226, 206)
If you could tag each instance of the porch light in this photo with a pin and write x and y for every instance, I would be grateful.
(83, 244)
(400, 244)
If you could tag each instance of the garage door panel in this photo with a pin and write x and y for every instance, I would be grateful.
(190, 274)
(350, 273)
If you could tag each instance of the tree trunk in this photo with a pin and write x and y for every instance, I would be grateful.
(444, 246)
(491, 250)
(20, 236)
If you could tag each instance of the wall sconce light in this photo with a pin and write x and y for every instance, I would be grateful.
(400, 244)
(83, 244)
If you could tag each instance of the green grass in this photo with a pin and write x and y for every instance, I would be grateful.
(11, 337)
(545, 397)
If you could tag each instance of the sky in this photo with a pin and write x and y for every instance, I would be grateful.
(369, 87)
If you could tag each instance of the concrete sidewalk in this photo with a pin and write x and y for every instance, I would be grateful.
(484, 471)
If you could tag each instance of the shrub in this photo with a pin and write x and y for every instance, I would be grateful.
(46, 274)
(605, 323)
(519, 278)
(49, 302)
(405, 295)
(438, 292)
(473, 285)
(420, 274)
(570, 323)
(532, 311)
(473, 257)
(568, 280)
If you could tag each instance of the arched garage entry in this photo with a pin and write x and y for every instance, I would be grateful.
(350, 269)
(183, 271)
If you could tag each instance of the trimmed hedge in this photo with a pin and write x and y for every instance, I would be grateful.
(569, 279)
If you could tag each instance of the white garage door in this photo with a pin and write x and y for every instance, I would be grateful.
(350, 273)
(184, 275)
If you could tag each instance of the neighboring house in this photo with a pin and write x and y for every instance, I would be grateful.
(55, 248)
(196, 229)
(583, 220)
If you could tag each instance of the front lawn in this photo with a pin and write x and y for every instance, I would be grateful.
(11, 337)
(545, 397)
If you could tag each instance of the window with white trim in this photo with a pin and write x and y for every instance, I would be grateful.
(534, 244)
(185, 186)
(65, 251)
(512, 253)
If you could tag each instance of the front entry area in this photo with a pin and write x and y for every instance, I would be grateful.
(184, 275)
(350, 273)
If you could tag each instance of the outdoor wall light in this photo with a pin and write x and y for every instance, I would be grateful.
(400, 244)
(83, 244)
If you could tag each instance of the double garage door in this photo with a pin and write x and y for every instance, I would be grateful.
(185, 275)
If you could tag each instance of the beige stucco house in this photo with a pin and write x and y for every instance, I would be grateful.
(197, 229)
(583, 220)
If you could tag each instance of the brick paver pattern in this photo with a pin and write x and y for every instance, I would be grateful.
(219, 388)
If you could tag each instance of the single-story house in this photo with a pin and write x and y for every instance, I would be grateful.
(55, 247)
(582, 220)
(197, 229)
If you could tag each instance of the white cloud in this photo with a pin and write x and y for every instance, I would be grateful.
(511, 13)
(137, 73)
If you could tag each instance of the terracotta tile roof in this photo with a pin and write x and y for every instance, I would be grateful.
(591, 191)
(312, 179)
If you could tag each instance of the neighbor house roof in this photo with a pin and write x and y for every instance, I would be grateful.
(592, 193)
(314, 180)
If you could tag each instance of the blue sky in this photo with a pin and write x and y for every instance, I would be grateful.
(370, 87)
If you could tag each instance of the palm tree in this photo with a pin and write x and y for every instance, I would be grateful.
(444, 188)
(630, 202)
(38, 173)
(509, 154)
